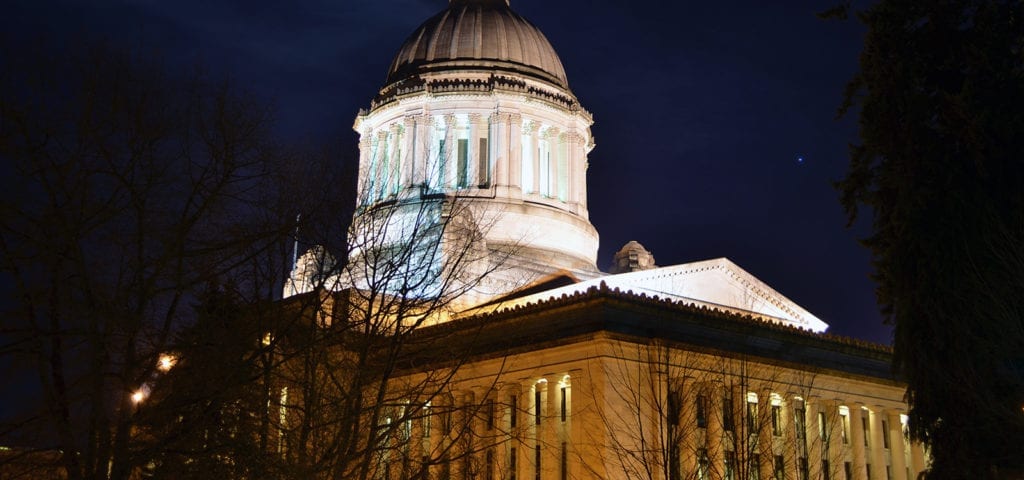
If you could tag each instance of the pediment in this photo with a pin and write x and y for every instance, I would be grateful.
(717, 283)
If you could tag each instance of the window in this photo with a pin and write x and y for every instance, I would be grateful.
(752, 426)
(483, 168)
(846, 428)
(426, 420)
(462, 163)
(730, 466)
(564, 395)
(867, 430)
(512, 467)
(780, 468)
(822, 429)
(702, 411)
(513, 410)
(672, 415)
(888, 472)
(536, 407)
(848, 468)
(489, 464)
(536, 462)
(527, 166)
(702, 464)
(777, 420)
(869, 472)
(805, 471)
(754, 472)
(800, 421)
(727, 420)
(826, 470)
(490, 414)
(885, 434)
(564, 466)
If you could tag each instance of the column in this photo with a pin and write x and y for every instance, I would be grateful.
(532, 130)
(514, 154)
(550, 426)
(793, 441)
(917, 459)
(450, 154)
(765, 434)
(857, 441)
(815, 443)
(581, 399)
(409, 132)
(480, 129)
(715, 433)
(392, 180)
(365, 148)
(687, 436)
(552, 136)
(876, 450)
(834, 427)
(897, 446)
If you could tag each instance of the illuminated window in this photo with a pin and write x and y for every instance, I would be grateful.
(752, 426)
(777, 420)
(426, 420)
(865, 426)
(845, 425)
(462, 164)
(545, 167)
(483, 168)
(703, 464)
(822, 430)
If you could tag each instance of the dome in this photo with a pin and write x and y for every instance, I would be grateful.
(478, 34)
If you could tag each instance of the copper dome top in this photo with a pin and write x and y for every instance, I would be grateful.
(478, 35)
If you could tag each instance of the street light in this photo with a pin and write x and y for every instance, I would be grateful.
(166, 362)
(138, 396)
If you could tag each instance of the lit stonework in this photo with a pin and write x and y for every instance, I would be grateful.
(696, 371)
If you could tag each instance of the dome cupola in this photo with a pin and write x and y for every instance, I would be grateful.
(478, 35)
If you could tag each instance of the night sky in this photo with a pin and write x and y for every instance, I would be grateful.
(715, 121)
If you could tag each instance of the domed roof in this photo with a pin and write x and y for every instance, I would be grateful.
(478, 34)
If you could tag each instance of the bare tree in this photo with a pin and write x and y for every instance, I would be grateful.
(679, 412)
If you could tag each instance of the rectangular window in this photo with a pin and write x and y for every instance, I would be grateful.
(864, 425)
(805, 472)
(888, 472)
(848, 469)
(564, 406)
(752, 426)
(777, 420)
(702, 411)
(564, 466)
(536, 407)
(426, 420)
(536, 462)
(512, 467)
(727, 424)
(826, 471)
(702, 464)
(462, 165)
(513, 410)
(800, 421)
(490, 414)
(672, 415)
(780, 468)
(489, 464)
(754, 472)
(869, 471)
(730, 466)
(823, 429)
(846, 428)
(483, 166)
(885, 434)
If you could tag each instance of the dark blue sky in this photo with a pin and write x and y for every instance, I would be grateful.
(702, 111)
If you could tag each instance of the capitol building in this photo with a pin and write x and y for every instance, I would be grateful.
(473, 188)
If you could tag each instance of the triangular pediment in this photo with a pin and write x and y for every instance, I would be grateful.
(717, 283)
